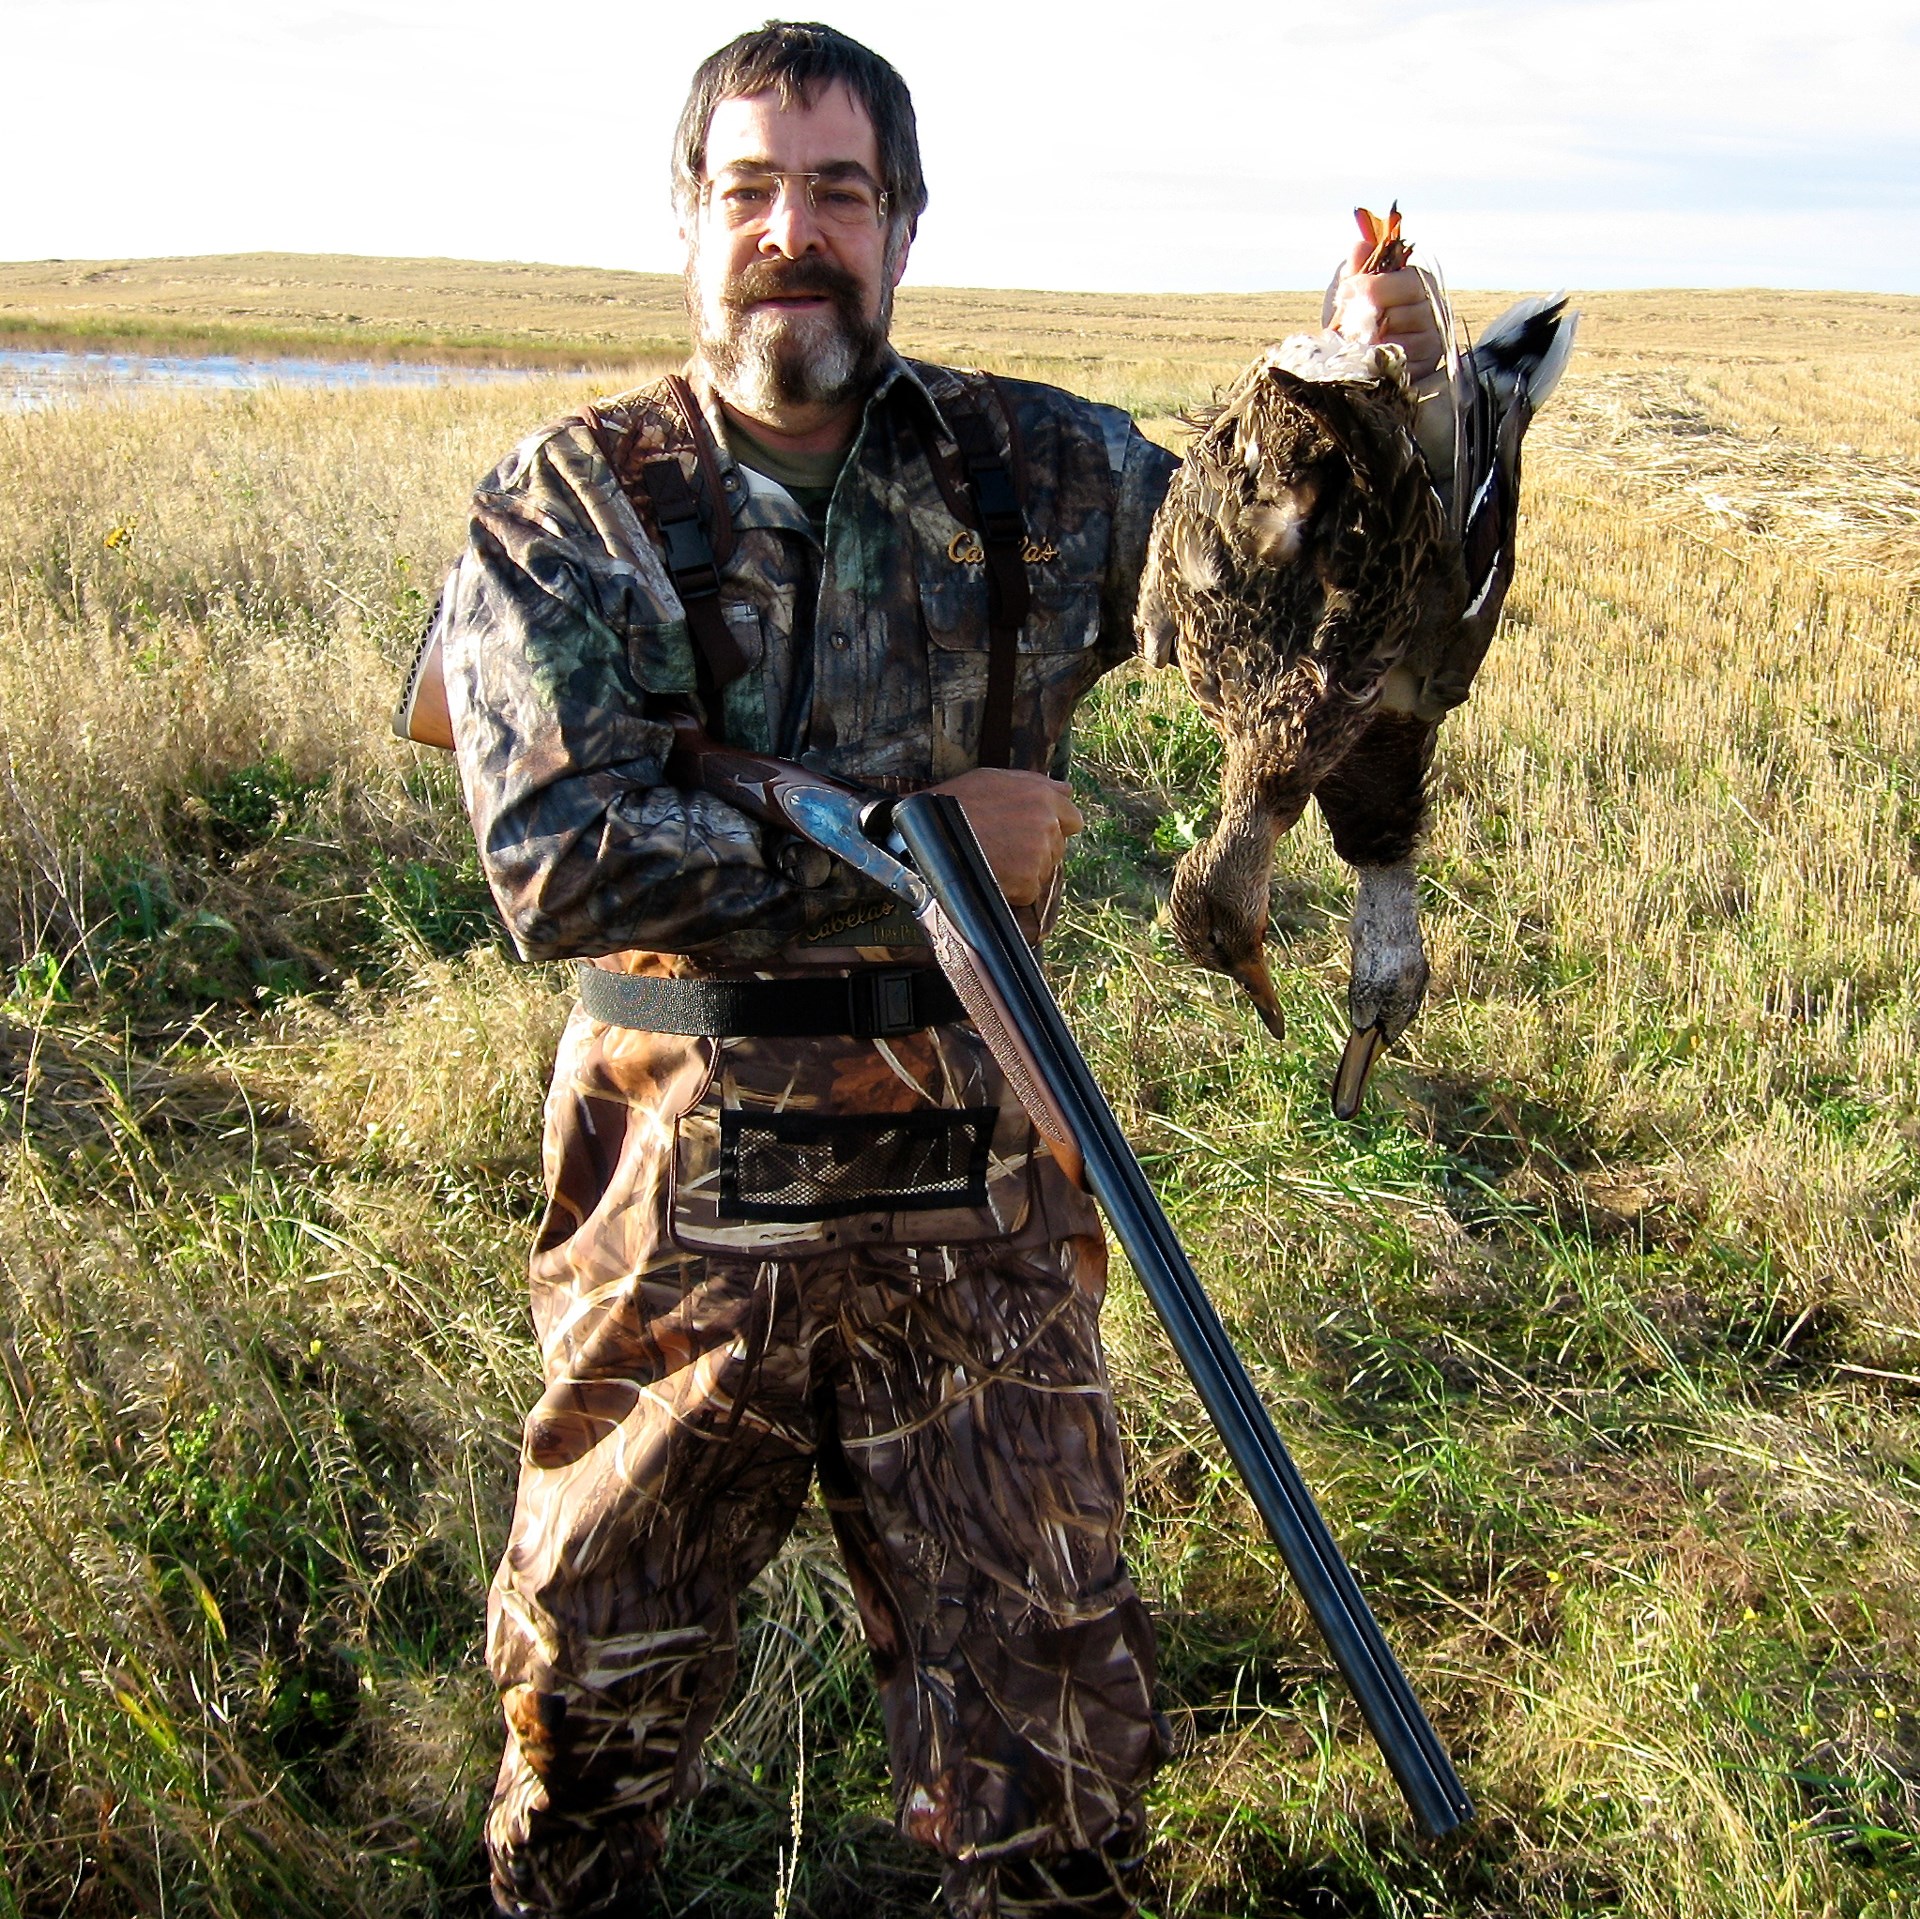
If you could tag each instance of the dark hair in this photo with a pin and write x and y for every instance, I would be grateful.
(797, 59)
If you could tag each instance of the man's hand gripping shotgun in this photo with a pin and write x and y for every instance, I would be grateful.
(951, 892)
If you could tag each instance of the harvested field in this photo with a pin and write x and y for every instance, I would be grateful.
(1599, 1333)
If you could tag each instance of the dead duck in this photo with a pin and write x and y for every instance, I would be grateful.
(1328, 569)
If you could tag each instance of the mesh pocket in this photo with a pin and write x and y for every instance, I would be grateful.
(793, 1167)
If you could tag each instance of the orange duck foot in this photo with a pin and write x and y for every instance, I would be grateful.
(1390, 253)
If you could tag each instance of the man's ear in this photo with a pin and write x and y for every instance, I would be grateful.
(906, 247)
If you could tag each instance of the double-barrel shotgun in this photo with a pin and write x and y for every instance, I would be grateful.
(921, 850)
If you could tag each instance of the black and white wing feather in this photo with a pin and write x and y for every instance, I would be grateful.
(1473, 415)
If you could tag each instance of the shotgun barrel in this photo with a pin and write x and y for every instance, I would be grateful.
(949, 860)
(952, 892)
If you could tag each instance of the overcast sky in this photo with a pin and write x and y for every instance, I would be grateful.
(1185, 144)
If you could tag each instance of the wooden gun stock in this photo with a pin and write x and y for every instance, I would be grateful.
(758, 785)
(422, 715)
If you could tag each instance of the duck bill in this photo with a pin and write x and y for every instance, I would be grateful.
(1350, 1080)
(1253, 975)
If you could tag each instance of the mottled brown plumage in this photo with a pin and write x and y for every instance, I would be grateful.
(1329, 599)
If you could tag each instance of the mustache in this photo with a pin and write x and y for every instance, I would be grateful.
(789, 279)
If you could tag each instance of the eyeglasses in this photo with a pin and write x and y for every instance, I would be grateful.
(747, 197)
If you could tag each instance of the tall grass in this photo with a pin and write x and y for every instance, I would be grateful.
(1599, 1334)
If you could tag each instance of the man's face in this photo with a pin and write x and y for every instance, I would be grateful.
(791, 308)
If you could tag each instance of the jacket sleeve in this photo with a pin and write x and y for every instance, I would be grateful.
(548, 623)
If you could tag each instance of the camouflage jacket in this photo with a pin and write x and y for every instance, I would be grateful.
(869, 656)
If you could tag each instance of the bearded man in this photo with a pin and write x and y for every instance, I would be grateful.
(798, 1226)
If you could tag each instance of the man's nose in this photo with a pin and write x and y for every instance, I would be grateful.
(792, 229)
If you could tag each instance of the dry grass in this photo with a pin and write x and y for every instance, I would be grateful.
(348, 305)
(1600, 1332)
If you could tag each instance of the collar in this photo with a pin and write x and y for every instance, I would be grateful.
(764, 502)
(754, 500)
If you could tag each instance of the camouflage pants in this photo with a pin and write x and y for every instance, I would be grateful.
(952, 1401)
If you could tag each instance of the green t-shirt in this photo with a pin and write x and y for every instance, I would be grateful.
(809, 477)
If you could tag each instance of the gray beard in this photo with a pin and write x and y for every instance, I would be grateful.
(763, 360)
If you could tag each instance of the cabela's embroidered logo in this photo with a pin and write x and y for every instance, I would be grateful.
(964, 549)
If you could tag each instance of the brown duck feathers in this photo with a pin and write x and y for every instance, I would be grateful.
(1327, 569)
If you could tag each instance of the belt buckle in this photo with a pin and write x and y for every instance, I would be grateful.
(889, 1007)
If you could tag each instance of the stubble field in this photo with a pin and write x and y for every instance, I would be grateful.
(1598, 1335)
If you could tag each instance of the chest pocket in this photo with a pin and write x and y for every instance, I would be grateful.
(1058, 658)
(1063, 618)
(660, 653)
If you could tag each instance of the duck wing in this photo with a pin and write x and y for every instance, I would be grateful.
(1496, 386)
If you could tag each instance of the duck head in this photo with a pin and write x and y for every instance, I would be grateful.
(1220, 902)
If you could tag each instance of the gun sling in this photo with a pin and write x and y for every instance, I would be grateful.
(877, 1004)
(659, 491)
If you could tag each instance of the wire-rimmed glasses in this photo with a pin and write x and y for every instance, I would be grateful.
(845, 197)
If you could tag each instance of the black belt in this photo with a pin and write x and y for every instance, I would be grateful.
(876, 1004)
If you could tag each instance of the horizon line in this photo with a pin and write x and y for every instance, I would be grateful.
(910, 286)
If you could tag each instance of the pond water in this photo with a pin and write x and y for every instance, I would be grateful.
(32, 377)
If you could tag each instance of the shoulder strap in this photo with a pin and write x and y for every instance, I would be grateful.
(991, 503)
(667, 506)
(656, 485)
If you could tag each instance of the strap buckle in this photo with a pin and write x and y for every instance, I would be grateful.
(688, 553)
(883, 1004)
